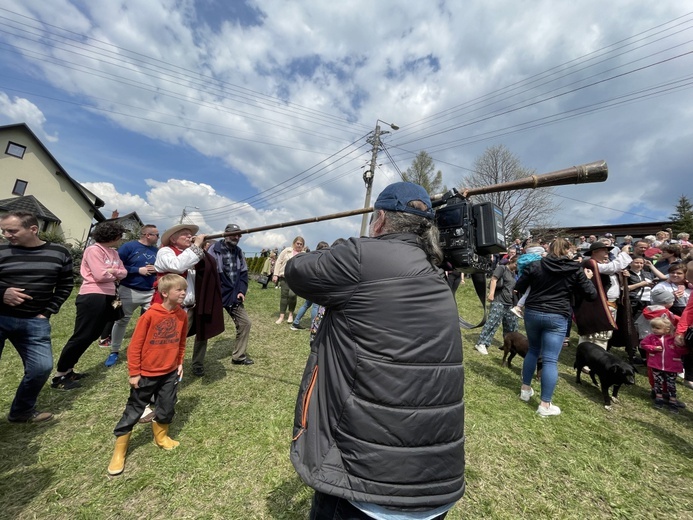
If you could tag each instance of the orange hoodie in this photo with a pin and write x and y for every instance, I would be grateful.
(158, 343)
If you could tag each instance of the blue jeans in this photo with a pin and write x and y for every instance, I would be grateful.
(545, 332)
(31, 338)
(303, 310)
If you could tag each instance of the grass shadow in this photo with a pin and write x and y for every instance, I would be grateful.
(290, 500)
(668, 436)
(61, 400)
(23, 485)
(21, 475)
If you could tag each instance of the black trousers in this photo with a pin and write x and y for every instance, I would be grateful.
(93, 312)
(165, 388)
(328, 507)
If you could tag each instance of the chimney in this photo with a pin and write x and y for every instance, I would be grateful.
(115, 214)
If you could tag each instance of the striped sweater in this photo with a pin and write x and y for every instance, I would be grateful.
(44, 272)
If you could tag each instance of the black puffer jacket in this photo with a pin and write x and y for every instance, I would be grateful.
(380, 412)
(555, 282)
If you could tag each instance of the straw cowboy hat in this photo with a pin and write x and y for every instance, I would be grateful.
(175, 229)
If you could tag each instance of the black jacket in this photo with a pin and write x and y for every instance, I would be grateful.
(380, 412)
(556, 284)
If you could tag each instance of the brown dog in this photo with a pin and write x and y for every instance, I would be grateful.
(515, 343)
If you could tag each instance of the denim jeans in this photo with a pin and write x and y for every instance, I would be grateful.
(545, 332)
(31, 338)
(302, 311)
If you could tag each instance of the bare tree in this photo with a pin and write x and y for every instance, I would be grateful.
(522, 209)
(423, 172)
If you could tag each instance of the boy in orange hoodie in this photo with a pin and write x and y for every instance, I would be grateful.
(155, 364)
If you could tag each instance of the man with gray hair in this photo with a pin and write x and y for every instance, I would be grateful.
(379, 424)
(233, 274)
(137, 288)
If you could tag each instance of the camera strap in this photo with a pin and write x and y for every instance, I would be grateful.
(479, 281)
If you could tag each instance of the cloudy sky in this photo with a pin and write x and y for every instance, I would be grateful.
(258, 111)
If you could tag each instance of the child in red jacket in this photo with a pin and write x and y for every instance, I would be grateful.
(664, 358)
(155, 363)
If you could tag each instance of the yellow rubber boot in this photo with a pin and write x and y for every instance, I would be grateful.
(118, 460)
(161, 438)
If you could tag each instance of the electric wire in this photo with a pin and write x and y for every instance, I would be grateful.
(550, 72)
(547, 119)
(170, 67)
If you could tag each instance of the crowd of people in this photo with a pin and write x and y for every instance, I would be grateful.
(612, 293)
(385, 360)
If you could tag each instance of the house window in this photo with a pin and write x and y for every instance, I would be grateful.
(16, 150)
(19, 187)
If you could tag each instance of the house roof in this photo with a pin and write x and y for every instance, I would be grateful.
(637, 230)
(29, 203)
(98, 203)
(134, 217)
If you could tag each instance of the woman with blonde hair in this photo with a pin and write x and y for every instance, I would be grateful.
(268, 268)
(287, 298)
(553, 280)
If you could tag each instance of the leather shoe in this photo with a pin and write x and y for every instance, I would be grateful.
(246, 361)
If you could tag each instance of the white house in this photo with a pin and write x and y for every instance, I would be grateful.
(32, 179)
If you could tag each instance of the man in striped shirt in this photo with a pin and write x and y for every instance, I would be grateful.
(35, 280)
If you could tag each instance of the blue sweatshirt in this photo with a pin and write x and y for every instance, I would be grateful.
(135, 255)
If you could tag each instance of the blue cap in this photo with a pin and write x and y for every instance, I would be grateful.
(397, 196)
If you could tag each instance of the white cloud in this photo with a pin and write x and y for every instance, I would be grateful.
(309, 78)
(22, 110)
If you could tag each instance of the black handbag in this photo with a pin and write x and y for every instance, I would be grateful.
(263, 279)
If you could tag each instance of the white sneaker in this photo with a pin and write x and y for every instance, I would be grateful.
(517, 311)
(526, 394)
(548, 412)
(481, 349)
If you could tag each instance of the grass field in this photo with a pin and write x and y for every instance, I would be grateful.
(234, 426)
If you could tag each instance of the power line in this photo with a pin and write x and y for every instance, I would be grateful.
(171, 68)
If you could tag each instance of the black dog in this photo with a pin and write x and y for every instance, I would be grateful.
(515, 343)
(611, 370)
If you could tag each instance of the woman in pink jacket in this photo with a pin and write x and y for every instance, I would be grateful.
(664, 358)
(101, 268)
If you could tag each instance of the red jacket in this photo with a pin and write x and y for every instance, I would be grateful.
(158, 343)
(686, 318)
(668, 359)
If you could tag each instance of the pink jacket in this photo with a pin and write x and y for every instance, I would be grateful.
(101, 267)
(669, 358)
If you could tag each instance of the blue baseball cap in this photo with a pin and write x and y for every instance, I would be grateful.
(397, 196)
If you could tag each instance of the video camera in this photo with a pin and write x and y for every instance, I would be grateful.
(469, 233)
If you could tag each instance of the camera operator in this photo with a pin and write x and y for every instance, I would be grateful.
(382, 392)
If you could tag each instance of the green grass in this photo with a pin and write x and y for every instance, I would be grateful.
(234, 426)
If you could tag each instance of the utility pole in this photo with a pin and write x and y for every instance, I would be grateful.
(184, 214)
(369, 174)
